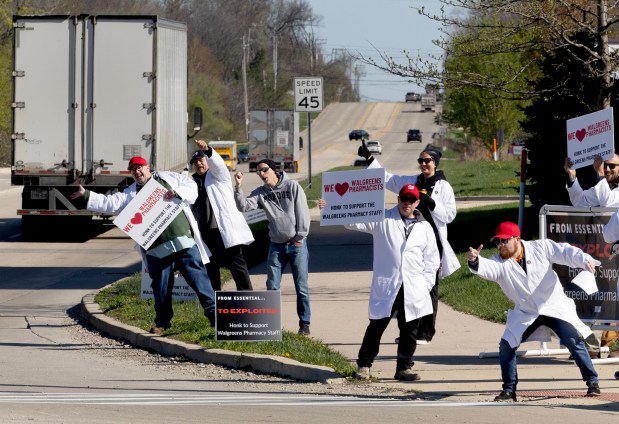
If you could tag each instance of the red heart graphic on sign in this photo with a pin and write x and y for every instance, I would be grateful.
(137, 218)
(341, 189)
(581, 134)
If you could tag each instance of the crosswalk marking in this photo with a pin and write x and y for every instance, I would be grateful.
(217, 399)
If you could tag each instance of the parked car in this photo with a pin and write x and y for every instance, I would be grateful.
(374, 146)
(358, 135)
(413, 135)
(412, 97)
(243, 155)
(360, 161)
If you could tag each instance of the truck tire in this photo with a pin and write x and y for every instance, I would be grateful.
(35, 228)
(56, 228)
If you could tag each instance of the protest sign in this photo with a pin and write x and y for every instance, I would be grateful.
(148, 214)
(595, 302)
(249, 316)
(181, 290)
(589, 136)
(353, 197)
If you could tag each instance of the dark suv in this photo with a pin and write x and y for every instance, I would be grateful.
(358, 135)
(413, 135)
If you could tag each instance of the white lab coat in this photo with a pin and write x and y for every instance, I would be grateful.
(231, 222)
(538, 291)
(184, 186)
(598, 195)
(611, 229)
(398, 260)
(443, 213)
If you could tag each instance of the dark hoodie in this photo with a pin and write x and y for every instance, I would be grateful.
(428, 185)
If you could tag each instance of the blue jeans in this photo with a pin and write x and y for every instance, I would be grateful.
(571, 340)
(281, 254)
(189, 263)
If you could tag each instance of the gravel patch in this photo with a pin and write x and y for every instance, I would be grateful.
(236, 379)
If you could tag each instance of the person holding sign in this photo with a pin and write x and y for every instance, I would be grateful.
(604, 193)
(523, 270)
(285, 205)
(178, 247)
(222, 226)
(404, 271)
(438, 207)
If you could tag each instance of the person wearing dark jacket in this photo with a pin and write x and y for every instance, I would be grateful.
(223, 227)
(438, 207)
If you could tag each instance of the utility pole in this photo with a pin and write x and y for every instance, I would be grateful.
(244, 71)
(274, 62)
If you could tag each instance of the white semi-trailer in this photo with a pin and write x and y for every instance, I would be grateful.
(89, 93)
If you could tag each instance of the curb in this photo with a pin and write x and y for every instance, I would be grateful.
(267, 364)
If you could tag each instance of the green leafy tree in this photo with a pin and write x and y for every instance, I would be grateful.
(475, 108)
(547, 116)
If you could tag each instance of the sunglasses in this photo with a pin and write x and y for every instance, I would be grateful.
(262, 170)
(498, 241)
(409, 199)
(424, 160)
(610, 166)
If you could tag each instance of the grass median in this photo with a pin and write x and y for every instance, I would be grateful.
(463, 291)
(122, 301)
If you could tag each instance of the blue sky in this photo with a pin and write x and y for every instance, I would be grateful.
(390, 26)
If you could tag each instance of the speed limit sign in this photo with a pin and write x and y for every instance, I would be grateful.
(308, 94)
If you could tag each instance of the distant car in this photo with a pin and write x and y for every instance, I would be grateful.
(243, 155)
(374, 147)
(358, 135)
(360, 161)
(412, 97)
(413, 135)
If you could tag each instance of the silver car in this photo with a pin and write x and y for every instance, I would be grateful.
(374, 146)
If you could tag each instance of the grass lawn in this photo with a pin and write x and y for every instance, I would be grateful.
(468, 178)
(122, 302)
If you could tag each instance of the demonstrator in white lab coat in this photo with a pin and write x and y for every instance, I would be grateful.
(523, 270)
(604, 193)
(406, 260)
(438, 207)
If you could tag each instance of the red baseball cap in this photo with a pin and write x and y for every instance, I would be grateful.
(506, 230)
(136, 161)
(409, 190)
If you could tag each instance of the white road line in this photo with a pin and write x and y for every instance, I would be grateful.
(217, 399)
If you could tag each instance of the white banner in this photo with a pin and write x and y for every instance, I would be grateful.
(353, 197)
(589, 136)
(181, 290)
(148, 214)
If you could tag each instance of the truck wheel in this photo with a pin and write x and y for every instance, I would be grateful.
(33, 228)
(56, 228)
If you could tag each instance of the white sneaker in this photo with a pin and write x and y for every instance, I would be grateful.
(363, 373)
(423, 341)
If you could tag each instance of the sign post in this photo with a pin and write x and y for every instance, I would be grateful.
(308, 98)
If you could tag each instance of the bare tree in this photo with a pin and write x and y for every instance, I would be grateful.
(533, 29)
(288, 18)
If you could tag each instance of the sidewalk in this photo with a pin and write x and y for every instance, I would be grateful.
(450, 367)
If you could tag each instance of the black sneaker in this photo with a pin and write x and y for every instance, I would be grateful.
(616, 375)
(593, 390)
(506, 396)
(406, 375)
(304, 329)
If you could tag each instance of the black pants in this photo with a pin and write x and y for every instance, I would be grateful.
(408, 337)
(231, 258)
(427, 324)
